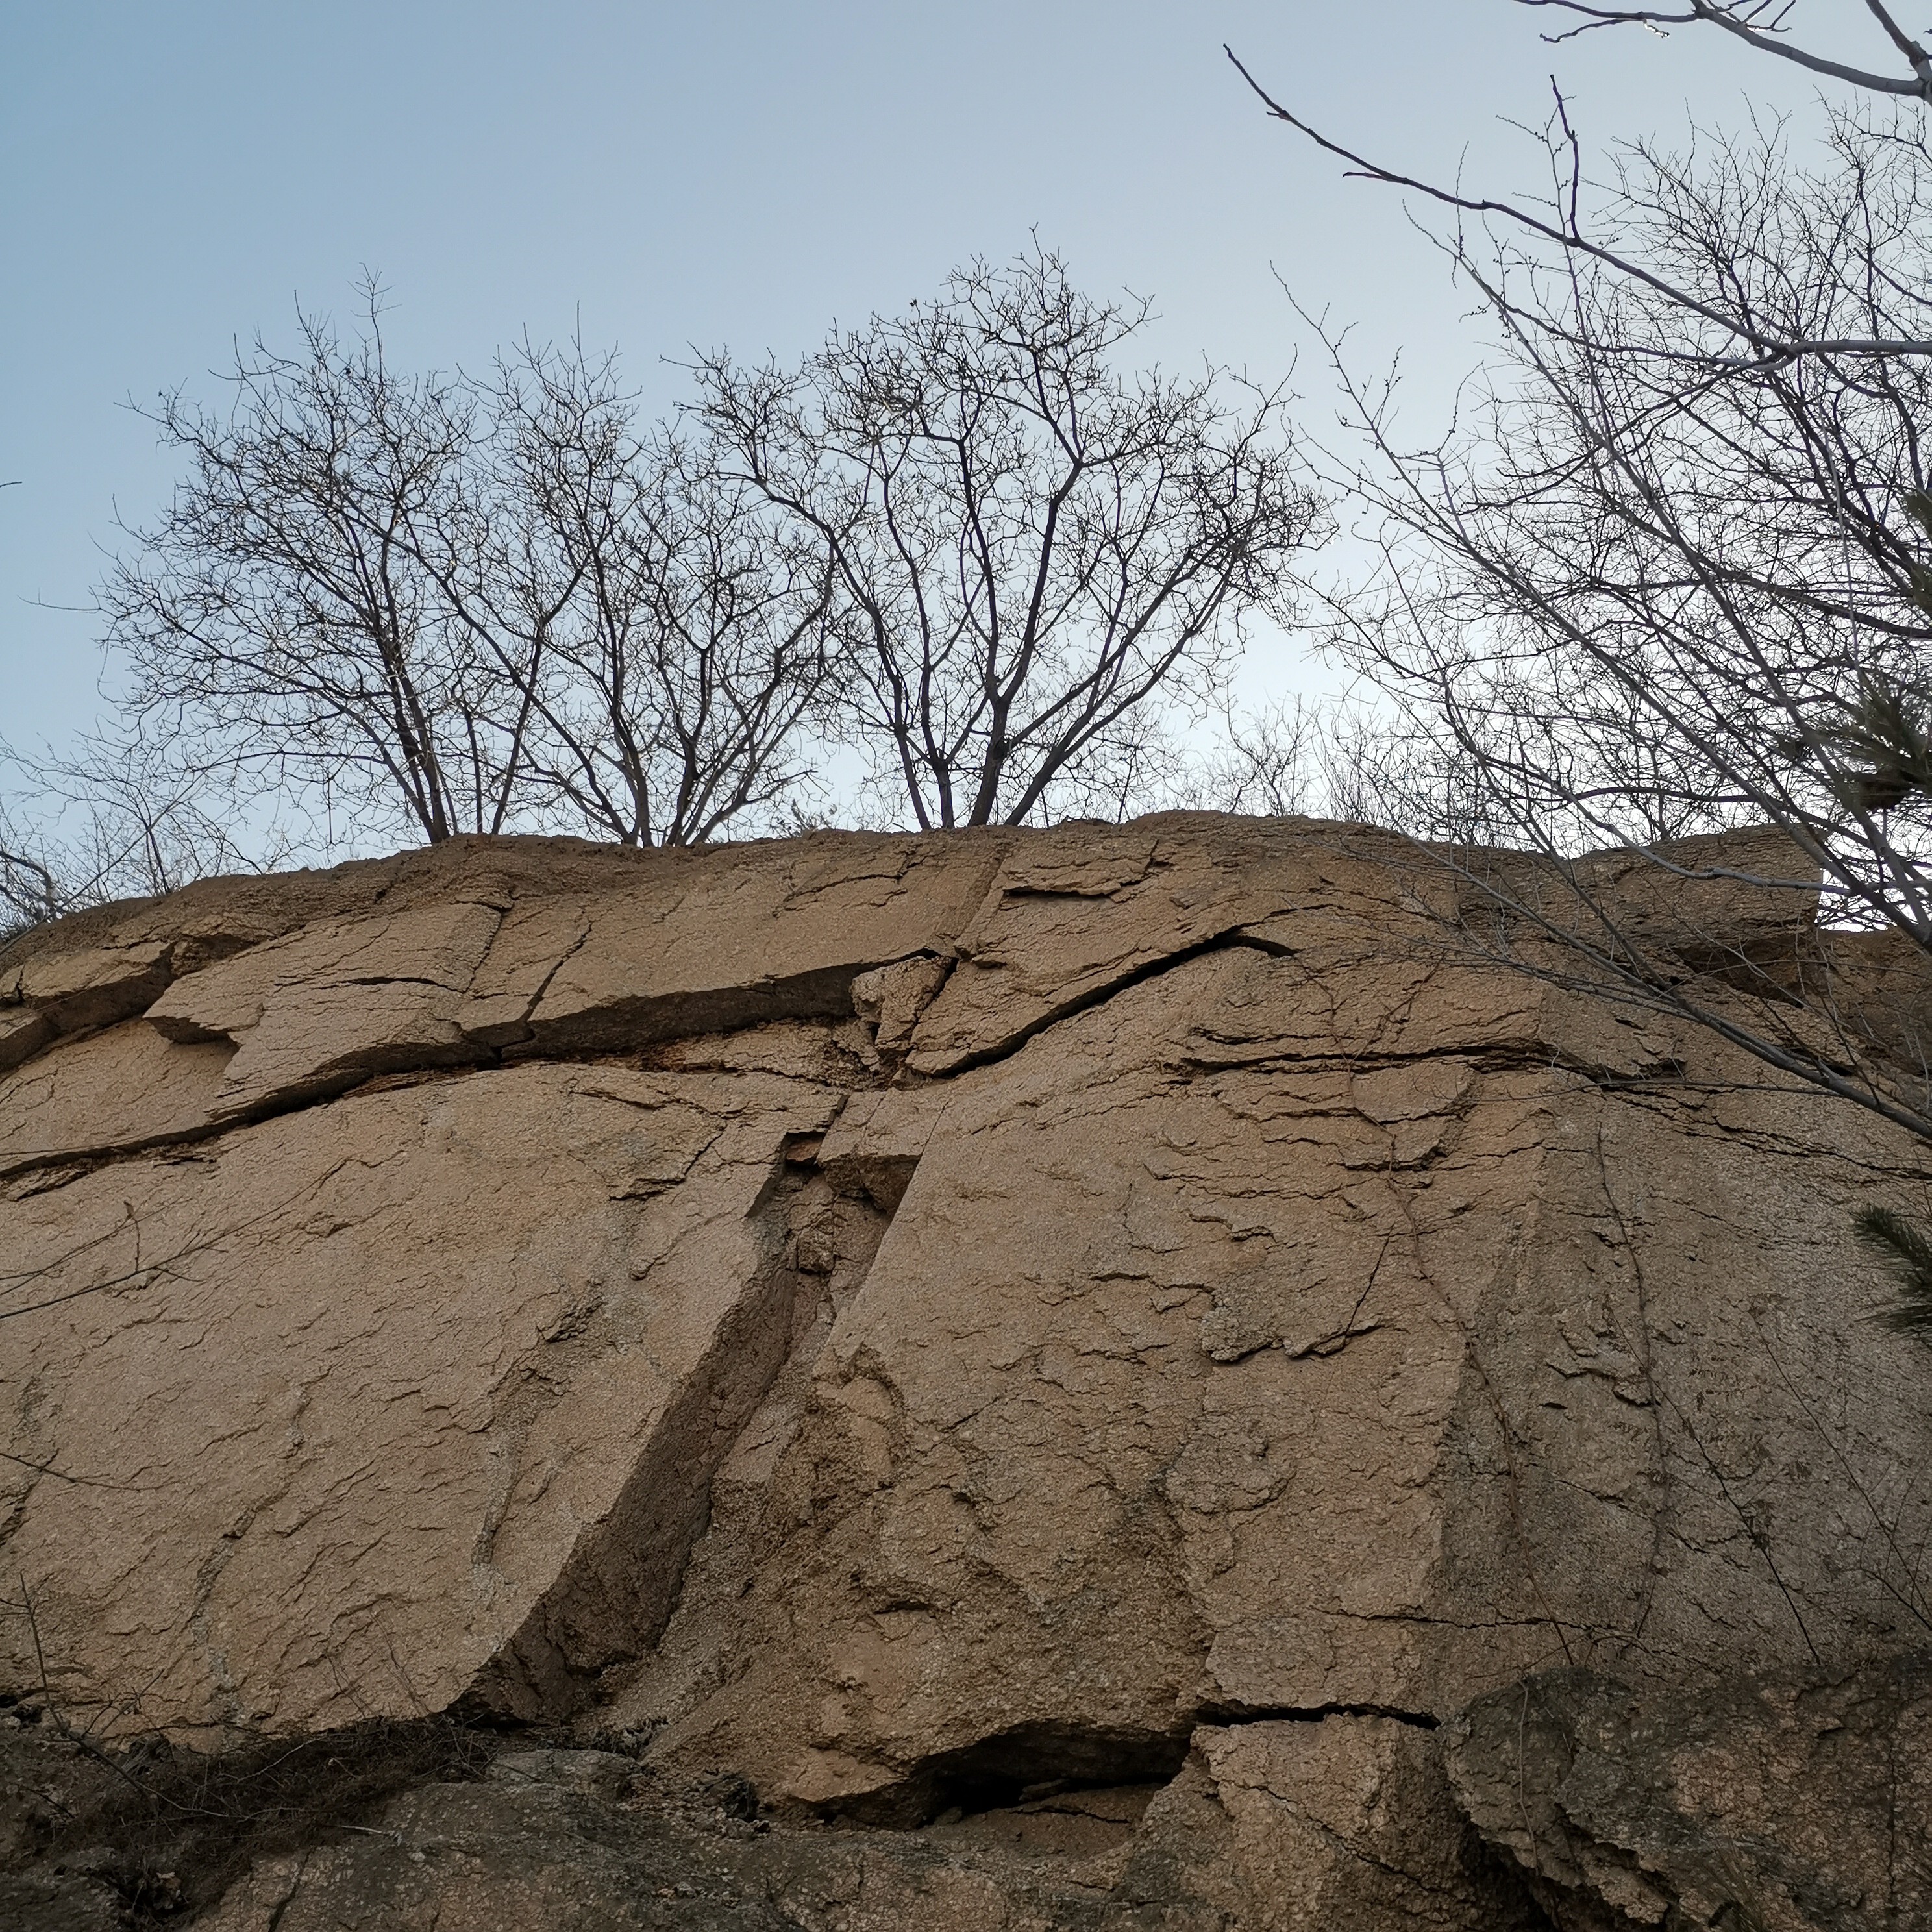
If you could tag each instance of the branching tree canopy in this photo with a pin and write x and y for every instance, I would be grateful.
(1028, 542)
(118, 818)
(665, 635)
(1672, 572)
(277, 609)
(966, 539)
(472, 605)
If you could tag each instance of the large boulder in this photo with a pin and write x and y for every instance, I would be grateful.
(934, 1327)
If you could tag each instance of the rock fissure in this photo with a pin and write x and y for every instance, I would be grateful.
(610, 1607)
(1226, 939)
(1025, 1762)
(1232, 1715)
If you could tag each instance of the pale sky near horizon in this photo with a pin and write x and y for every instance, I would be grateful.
(173, 178)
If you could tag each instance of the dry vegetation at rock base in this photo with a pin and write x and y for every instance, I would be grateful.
(1099, 1378)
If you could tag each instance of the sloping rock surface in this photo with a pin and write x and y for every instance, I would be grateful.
(944, 1329)
(1784, 1802)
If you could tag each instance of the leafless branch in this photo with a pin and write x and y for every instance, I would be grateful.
(1028, 543)
(1766, 346)
(1760, 27)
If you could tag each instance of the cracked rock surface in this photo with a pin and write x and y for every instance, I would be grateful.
(1063, 1361)
(1781, 1800)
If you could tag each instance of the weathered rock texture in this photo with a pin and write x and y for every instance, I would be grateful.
(929, 1325)
(1779, 1802)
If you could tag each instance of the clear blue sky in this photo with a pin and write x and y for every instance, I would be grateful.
(174, 175)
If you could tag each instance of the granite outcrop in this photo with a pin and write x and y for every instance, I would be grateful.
(1080, 1369)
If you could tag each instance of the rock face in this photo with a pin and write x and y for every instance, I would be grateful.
(1786, 1801)
(1116, 1332)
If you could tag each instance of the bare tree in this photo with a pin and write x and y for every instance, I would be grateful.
(1760, 25)
(1673, 572)
(668, 635)
(1287, 758)
(277, 613)
(472, 606)
(1028, 543)
(965, 540)
(31, 892)
(117, 817)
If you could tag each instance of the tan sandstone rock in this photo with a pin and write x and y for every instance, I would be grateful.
(111, 1093)
(381, 1406)
(1207, 1368)
(23, 1032)
(773, 934)
(322, 1010)
(1340, 1823)
(92, 987)
(1089, 1347)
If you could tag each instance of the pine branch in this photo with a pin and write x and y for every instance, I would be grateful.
(1909, 1248)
